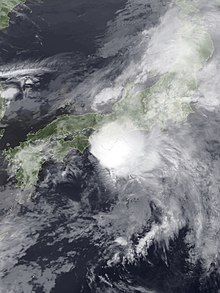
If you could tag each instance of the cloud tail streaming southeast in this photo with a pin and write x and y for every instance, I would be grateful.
(169, 165)
(147, 164)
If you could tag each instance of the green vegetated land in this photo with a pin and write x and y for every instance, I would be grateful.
(6, 6)
(168, 99)
(52, 142)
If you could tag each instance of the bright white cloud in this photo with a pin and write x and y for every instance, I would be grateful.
(123, 149)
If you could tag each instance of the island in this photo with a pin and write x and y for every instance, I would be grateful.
(168, 99)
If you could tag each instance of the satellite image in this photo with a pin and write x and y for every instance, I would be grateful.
(110, 146)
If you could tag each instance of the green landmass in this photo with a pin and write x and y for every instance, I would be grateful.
(169, 99)
(187, 6)
(52, 142)
(6, 6)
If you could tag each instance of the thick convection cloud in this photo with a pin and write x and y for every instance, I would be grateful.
(168, 165)
(128, 194)
(125, 150)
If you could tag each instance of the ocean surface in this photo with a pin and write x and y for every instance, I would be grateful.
(128, 200)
